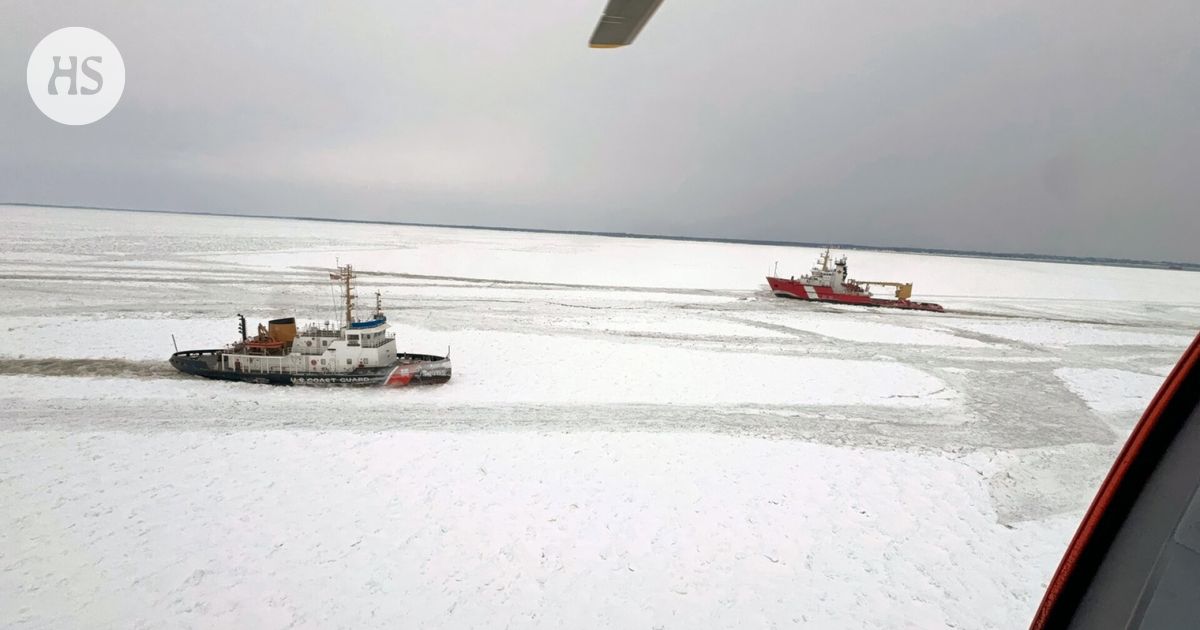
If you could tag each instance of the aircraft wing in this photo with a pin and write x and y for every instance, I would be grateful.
(622, 21)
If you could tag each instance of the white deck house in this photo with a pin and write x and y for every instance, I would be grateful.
(324, 349)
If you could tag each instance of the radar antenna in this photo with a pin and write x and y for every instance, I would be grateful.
(378, 305)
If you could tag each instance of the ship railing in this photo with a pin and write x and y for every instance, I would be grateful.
(196, 353)
(378, 342)
(320, 332)
(271, 367)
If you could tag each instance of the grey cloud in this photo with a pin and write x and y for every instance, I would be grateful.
(1065, 128)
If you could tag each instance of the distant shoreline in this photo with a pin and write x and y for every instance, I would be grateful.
(1075, 260)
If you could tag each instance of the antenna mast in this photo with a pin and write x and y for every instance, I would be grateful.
(346, 275)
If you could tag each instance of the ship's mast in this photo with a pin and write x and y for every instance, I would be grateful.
(346, 275)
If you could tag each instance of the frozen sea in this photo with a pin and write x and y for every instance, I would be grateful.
(637, 434)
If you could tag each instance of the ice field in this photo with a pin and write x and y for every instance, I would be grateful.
(637, 434)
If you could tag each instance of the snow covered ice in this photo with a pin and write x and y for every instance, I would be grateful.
(636, 435)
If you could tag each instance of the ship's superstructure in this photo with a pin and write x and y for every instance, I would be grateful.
(828, 282)
(352, 352)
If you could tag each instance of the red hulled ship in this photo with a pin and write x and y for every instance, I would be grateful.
(830, 284)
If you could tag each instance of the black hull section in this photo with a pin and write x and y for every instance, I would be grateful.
(410, 369)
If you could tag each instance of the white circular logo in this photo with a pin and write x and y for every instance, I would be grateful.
(75, 75)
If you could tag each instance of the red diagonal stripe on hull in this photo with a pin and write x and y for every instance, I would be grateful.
(398, 378)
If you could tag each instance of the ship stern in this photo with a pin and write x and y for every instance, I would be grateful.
(196, 362)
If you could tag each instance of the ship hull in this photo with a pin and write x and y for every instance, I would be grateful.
(785, 288)
(410, 369)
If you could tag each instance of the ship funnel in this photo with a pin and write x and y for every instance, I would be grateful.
(282, 329)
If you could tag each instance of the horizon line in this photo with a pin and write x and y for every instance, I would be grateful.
(1029, 256)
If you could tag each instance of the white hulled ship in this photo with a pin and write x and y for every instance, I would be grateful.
(356, 352)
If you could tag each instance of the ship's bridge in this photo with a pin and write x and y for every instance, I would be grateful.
(371, 334)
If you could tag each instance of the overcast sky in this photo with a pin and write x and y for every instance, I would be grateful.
(1066, 127)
